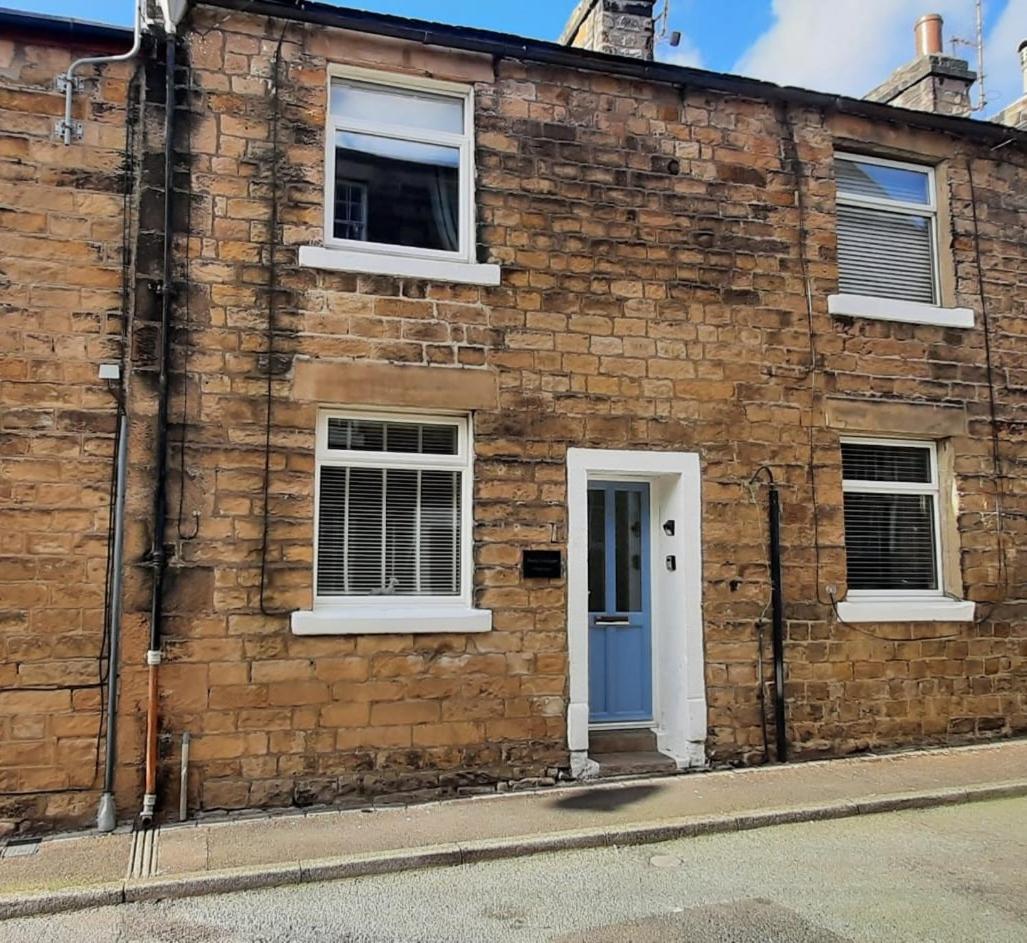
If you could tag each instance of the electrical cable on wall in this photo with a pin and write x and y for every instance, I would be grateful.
(187, 328)
(998, 479)
(272, 308)
(790, 154)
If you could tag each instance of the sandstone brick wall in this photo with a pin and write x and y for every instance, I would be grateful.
(61, 230)
(653, 297)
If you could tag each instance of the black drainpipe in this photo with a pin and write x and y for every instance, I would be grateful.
(778, 624)
(158, 554)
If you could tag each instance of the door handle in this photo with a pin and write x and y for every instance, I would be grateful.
(612, 620)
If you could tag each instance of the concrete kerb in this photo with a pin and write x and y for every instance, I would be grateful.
(229, 880)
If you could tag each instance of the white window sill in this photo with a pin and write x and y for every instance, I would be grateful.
(929, 609)
(394, 620)
(888, 309)
(401, 266)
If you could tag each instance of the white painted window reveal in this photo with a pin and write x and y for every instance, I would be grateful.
(888, 243)
(392, 525)
(399, 178)
(893, 533)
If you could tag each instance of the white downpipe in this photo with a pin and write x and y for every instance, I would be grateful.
(69, 76)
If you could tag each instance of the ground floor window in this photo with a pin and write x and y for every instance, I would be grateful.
(892, 541)
(392, 506)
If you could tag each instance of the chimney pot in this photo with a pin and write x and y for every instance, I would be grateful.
(928, 35)
(1022, 49)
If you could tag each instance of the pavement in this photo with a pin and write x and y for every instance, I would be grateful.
(232, 854)
(952, 874)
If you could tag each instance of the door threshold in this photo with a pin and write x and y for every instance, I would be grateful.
(624, 725)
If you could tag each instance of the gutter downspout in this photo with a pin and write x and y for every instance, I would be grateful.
(106, 814)
(66, 81)
(158, 554)
(777, 633)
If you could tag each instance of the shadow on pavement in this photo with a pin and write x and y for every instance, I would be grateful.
(606, 800)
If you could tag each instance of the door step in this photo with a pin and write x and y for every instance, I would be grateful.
(633, 764)
(622, 740)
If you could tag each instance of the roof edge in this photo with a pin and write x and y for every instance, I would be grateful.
(507, 46)
(71, 30)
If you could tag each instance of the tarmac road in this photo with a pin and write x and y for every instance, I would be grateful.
(956, 873)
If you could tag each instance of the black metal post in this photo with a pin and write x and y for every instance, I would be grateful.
(778, 629)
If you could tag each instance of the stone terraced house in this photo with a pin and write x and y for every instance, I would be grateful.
(402, 410)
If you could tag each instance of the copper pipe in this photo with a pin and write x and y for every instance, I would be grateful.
(928, 35)
(150, 792)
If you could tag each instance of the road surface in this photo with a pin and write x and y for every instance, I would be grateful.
(951, 874)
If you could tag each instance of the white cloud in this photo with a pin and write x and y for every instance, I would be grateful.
(1001, 63)
(846, 46)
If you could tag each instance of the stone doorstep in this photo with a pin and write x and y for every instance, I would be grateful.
(406, 859)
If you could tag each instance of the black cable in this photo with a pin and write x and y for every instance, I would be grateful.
(763, 469)
(272, 308)
(996, 456)
(891, 638)
(790, 152)
(187, 335)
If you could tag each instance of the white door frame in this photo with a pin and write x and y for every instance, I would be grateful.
(679, 684)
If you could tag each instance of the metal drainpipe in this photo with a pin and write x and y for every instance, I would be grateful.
(66, 81)
(158, 555)
(106, 814)
(777, 634)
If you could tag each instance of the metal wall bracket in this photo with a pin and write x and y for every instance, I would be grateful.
(62, 82)
(75, 126)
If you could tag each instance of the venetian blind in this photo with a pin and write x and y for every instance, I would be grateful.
(885, 251)
(384, 529)
(890, 538)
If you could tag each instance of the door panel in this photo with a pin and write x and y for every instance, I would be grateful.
(620, 647)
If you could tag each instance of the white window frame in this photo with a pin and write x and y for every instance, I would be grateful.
(346, 615)
(894, 309)
(464, 143)
(883, 605)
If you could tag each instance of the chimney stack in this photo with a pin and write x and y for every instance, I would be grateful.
(928, 35)
(932, 81)
(616, 27)
(1015, 115)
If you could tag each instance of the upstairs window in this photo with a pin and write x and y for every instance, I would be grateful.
(891, 517)
(393, 496)
(400, 175)
(887, 229)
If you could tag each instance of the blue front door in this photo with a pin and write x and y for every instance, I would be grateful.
(620, 644)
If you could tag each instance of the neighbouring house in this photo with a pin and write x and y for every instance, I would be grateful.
(491, 411)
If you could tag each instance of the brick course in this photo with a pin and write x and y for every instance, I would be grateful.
(654, 261)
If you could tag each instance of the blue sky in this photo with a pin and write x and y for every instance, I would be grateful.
(844, 46)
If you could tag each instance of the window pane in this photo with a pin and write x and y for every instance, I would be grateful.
(411, 109)
(411, 191)
(890, 541)
(331, 532)
(440, 531)
(364, 533)
(402, 437)
(868, 462)
(351, 210)
(596, 551)
(438, 440)
(885, 254)
(886, 183)
(370, 435)
(628, 541)
(401, 531)
(388, 532)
